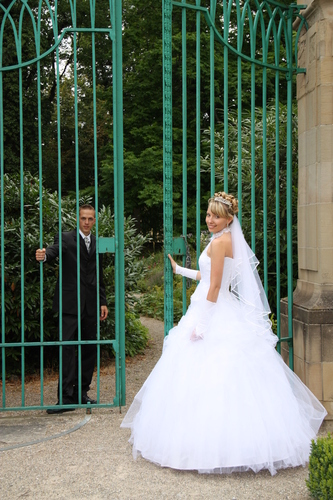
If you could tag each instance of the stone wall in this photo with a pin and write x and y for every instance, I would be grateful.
(313, 297)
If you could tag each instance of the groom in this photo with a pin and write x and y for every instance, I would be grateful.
(88, 305)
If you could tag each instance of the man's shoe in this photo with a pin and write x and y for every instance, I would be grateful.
(53, 411)
(86, 399)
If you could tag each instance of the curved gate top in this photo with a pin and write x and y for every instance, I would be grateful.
(236, 61)
(51, 131)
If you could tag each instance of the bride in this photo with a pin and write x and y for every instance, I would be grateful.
(221, 399)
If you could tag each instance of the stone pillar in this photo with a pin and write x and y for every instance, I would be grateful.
(313, 297)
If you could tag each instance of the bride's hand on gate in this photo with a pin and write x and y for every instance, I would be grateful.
(173, 263)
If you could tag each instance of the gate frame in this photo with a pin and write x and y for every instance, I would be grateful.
(114, 245)
(289, 12)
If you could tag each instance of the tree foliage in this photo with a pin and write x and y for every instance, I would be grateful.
(71, 151)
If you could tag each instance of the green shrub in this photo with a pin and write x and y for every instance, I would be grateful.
(136, 337)
(320, 482)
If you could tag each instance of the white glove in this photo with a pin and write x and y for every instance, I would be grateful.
(187, 273)
(201, 328)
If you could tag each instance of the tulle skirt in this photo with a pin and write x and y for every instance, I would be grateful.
(225, 403)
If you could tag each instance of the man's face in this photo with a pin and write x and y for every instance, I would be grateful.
(87, 220)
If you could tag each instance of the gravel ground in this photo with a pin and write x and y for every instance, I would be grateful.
(82, 456)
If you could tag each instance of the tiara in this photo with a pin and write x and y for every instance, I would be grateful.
(223, 200)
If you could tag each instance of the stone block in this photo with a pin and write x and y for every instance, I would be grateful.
(325, 105)
(312, 41)
(311, 120)
(313, 304)
(299, 368)
(298, 335)
(325, 177)
(325, 146)
(311, 148)
(283, 326)
(325, 70)
(325, 225)
(308, 259)
(311, 74)
(325, 256)
(312, 343)
(302, 261)
(314, 379)
(328, 381)
(302, 127)
(285, 352)
(302, 224)
(329, 408)
(312, 184)
(301, 83)
(327, 339)
(311, 259)
(302, 54)
(302, 199)
(311, 218)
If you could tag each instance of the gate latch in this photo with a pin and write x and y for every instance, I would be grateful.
(106, 245)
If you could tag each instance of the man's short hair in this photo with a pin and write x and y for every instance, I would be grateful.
(86, 206)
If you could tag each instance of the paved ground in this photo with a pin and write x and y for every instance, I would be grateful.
(78, 456)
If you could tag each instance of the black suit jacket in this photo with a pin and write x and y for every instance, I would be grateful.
(88, 276)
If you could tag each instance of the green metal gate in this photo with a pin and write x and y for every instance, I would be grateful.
(51, 128)
(238, 61)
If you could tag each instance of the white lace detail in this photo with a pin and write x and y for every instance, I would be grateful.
(217, 235)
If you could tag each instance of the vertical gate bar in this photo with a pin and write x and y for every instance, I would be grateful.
(264, 171)
(226, 95)
(253, 138)
(239, 112)
(184, 105)
(77, 192)
(2, 229)
(93, 67)
(119, 197)
(59, 214)
(239, 127)
(253, 155)
(40, 179)
(289, 190)
(212, 99)
(22, 225)
(277, 202)
(197, 133)
(167, 161)
(118, 366)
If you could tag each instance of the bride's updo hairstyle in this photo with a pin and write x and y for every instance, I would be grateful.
(224, 205)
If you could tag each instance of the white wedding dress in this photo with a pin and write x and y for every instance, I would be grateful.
(227, 402)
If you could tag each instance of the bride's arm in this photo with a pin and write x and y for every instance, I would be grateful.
(184, 271)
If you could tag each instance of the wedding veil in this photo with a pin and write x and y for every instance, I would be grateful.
(247, 287)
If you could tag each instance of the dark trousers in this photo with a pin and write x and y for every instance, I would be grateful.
(70, 354)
